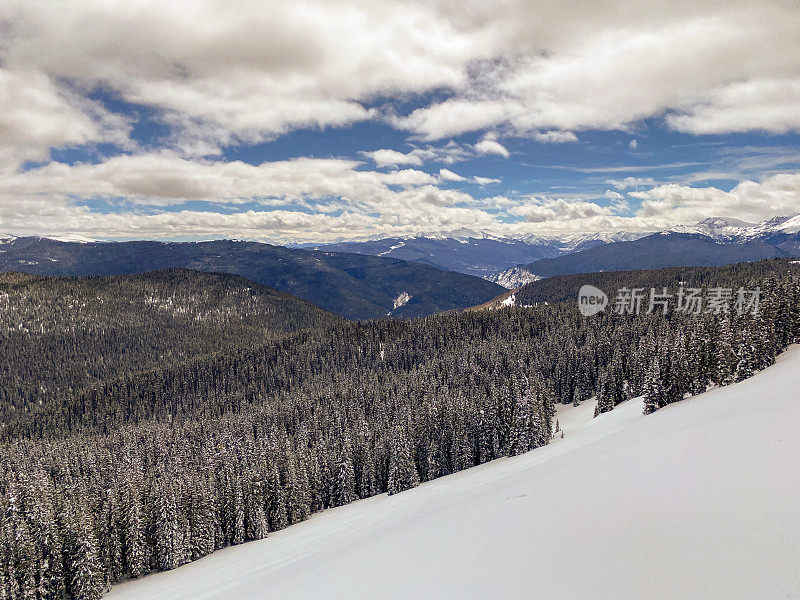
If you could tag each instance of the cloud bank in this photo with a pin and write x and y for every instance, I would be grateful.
(462, 80)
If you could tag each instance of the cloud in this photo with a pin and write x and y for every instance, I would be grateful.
(331, 199)
(485, 180)
(630, 182)
(767, 104)
(294, 200)
(558, 209)
(737, 85)
(220, 76)
(450, 153)
(555, 137)
(166, 179)
(279, 225)
(491, 146)
(390, 158)
(248, 75)
(36, 116)
(749, 200)
(454, 117)
(213, 77)
(448, 175)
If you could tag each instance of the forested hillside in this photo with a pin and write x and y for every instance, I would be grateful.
(562, 288)
(158, 467)
(661, 250)
(67, 334)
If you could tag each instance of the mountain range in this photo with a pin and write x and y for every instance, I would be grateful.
(415, 276)
(476, 252)
(351, 285)
(712, 242)
(513, 261)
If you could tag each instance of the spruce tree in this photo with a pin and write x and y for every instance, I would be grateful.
(402, 471)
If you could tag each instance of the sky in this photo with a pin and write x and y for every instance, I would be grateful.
(319, 121)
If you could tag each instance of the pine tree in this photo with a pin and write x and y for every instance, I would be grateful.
(86, 575)
(402, 471)
(297, 491)
(203, 520)
(747, 353)
(522, 440)
(169, 543)
(238, 511)
(344, 483)
(135, 550)
(276, 501)
(653, 388)
(41, 514)
(605, 394)
(726, 356)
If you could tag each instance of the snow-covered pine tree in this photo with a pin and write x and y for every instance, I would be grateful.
(344, 490)
(276, 497)
(86, 574)
(605, 393)
(521, 440)
(747, 353)
(256, 526)
(653, 388)
(726, 354)
(297, 490)
(402, 471)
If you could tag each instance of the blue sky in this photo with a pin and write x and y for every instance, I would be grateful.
(300, 123)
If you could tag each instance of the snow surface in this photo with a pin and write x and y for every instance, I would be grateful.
(391, 248)
(510, 301)
(72, 237)
(401, 300)
(699, 500)
(514, 277)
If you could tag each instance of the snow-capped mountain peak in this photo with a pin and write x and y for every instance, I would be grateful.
(718, 222)
(728, 229)
(790, 224)
(717, 228)
(65, 237)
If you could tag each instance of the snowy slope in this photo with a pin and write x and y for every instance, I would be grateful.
(699, 500)
(514, 277)
(72, 237)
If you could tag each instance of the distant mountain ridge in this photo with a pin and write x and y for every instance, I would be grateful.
(712, 242)
(351, 285)
(512, 261)
(476, 253)
(565, 288)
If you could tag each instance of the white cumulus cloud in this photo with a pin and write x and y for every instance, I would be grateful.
(448, 175)
(390, 158)
(490, 146)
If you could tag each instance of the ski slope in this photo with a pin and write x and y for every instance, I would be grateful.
(699, 500)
